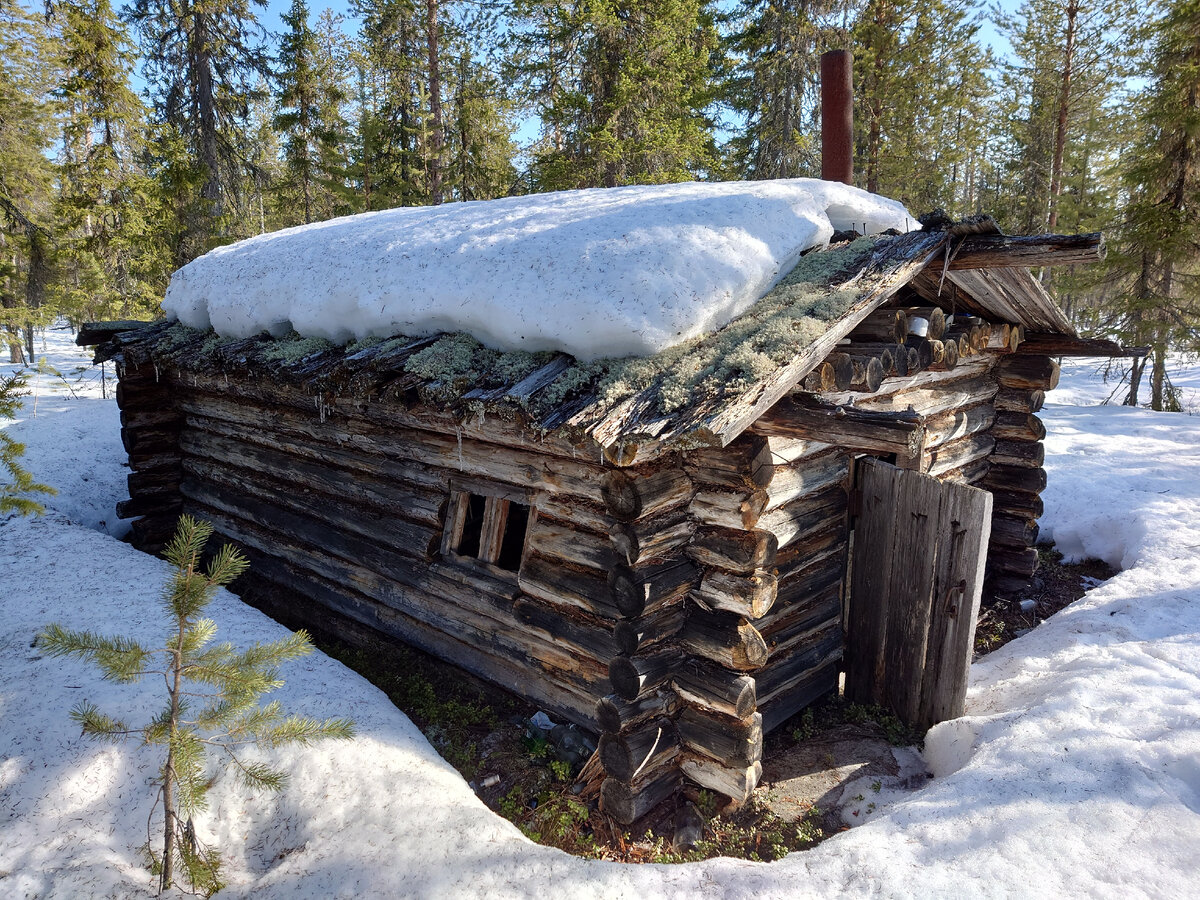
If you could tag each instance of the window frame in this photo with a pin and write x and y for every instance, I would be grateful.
(497, 503)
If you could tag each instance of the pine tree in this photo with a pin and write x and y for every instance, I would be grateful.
(18, 483)
(213, 693)
(1157, 253)
(205, 64)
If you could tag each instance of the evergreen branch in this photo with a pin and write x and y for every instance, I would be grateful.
(99, 725)
(120, 659)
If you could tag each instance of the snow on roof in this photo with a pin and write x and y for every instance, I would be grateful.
(595, 273)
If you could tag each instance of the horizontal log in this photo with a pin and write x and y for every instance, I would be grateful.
(154, 530)
(945, 355)
(1015, 426)
(1019, 453)
(643, 589)
(924, 350)
(732, 742)
(809, 577)
(149, 505)
(1016, 478)
(555, 541)
(868, 374)
(1065, 345)
(855, 429)
(735, 783)
(1003, 585)
(732, 549)
(729, 509)
(806, 477)
(630, 494)
(929, 393)
(164, 480)
(805, 691)
(843, 370)
(154, 462)
(809, 550)
(653, 538)
(716, 689)
(745, 463)
(639, 751)
(150, 440)
(726, 639)
(887, 324)
(1028, 372)
(1018, 561)
(615, 714)
(380, 494)
(576, 512)
(992, 251)
(893, 359)
(638, 635)
(821, 378)
(746, 595)
(792, 522)
(959, 423)
(584, 589)
(1017, 502)
(1018, 400)
(313, 601)
(1013, 531)
(632, 676)
(961, 452)
(629, 802)
(551, 624)
(1003, 338)
(151, 416)
(823, 647)
(811, 609)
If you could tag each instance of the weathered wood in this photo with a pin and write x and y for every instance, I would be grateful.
(935, 319)
(1019, 400)
(631, 494)
(895, 432)
(631, 676)
(806, 477)
(727, 640)
(822, 378)
(1016, 478)
(1028, 372)
(735, 783)
(993, 251)
(574, 511)
(642, 750)
(729, 509)
(652, 538)
(924, 350)
(1016, 561)
(414, 503)
(556, 541)
(92, 333)
(629, 802)
(615, 714)
(730, 741)
(553, 625)
(157, 416)
(561, 585)
(807, 551)
(803, 691)
(733, 549)
(929, 393)
(808, 577)
(1014, 426)
(893, 357)
(644, 589)
(1019, 453)
(149, 505)
(945, 356)
(714, 688)
(1017, 502)
(1013, 531)
(958, 423)
(843, 370)
(887, 325)
(746, 595)
(961, 452)
(746, 463)
(161, 481)
(150, 440)
(640, 634)
(868, 374)
(1049, 344)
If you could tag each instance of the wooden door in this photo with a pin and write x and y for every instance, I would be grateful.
(915, 583)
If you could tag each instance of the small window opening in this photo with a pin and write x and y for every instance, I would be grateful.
(488, 529)
(512, 544)
(472, 528)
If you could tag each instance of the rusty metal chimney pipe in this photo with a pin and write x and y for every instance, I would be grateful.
(837, 116)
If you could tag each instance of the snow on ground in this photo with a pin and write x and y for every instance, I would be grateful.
(1075, 773)
(616, 272)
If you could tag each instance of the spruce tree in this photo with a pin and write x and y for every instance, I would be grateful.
(213, 693)
(1157, 252)
(16, 483)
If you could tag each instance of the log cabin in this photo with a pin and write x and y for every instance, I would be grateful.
(679, 556)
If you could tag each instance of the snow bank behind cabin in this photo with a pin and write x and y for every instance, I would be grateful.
(606, 272)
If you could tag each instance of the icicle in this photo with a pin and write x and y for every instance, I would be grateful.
(458, 432)
(156, 373)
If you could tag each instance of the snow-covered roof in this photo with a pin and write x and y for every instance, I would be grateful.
(594, 273)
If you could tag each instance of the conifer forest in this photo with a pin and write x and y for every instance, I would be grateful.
(136, 137)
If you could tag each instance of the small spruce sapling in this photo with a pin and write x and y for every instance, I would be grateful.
(213, 693)
(16, 484)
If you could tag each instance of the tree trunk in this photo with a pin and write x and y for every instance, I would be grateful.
(169, 770)
(1135, 380)
(1064, 105)
(437, 138)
